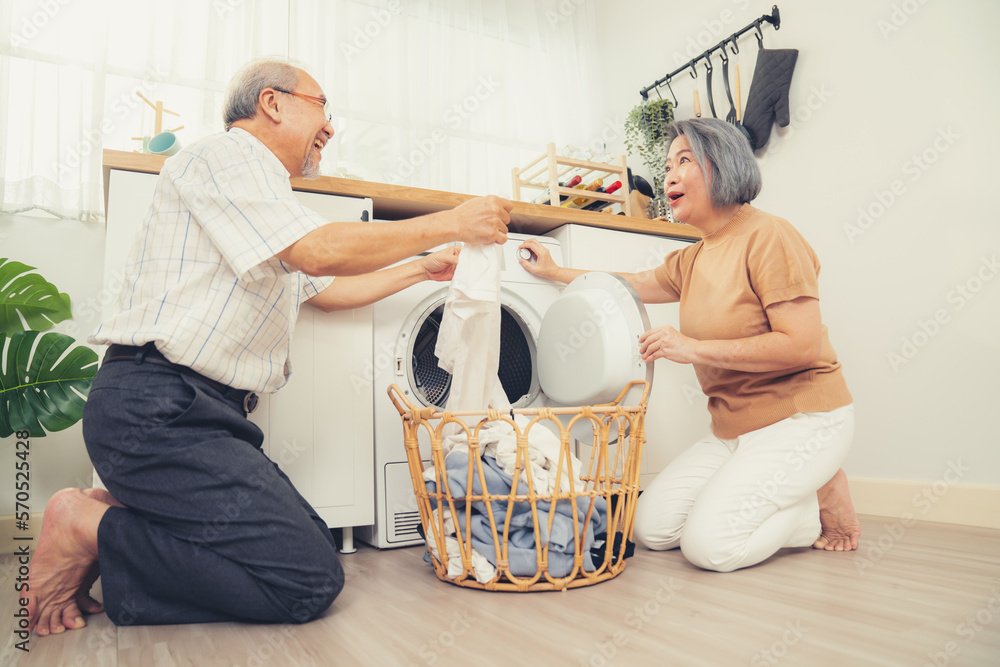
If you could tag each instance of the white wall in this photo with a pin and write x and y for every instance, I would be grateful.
(69, 254)
(877, 85)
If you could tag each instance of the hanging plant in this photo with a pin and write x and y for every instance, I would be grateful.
(43, 383)
(645, 133)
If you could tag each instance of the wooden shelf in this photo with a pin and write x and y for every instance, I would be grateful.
(397, 202)
(546, 177)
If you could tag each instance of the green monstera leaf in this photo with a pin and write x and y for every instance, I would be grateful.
(29, 296)
(43, 387)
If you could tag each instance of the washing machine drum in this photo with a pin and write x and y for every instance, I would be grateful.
(515, 372)
(588, 345)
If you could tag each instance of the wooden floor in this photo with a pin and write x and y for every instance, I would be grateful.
(927, 594)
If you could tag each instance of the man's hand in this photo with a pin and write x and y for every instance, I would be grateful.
(483, 219)
(441, 265)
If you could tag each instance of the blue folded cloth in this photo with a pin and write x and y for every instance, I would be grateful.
(522, 554)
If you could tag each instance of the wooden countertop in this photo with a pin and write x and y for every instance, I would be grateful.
(396, 202)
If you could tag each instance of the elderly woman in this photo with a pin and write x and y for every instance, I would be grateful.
(768, 476)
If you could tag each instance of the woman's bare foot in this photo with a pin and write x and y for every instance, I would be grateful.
(840, 529)
(64, 565)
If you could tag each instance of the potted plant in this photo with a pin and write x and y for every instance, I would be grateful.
(644, 136)
(43, 383)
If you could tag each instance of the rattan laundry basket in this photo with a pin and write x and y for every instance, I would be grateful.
(609, 476)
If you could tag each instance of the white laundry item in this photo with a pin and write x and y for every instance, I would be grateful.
(470, 330)
(543, 455)
(499, 440)
(481, 567)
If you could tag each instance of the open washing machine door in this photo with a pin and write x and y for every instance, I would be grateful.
(588, 345)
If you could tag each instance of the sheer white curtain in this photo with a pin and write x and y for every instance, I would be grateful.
(70, 71)
(450, 95)
(443, 95)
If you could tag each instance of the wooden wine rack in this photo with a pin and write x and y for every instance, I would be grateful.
(545, 172)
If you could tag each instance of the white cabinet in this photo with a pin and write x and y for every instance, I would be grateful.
(129, 196)
(319, 427)
(677, 415)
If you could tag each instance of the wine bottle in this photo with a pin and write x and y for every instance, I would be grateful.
(579, 186)
(598, 204)
(580, 201)
(586, 203)
(547, 197)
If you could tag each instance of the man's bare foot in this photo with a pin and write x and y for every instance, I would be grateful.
(840, 529)
(103, 495)
(64, 565)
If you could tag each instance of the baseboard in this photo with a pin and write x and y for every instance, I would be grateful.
(9, 531)
(940, 501)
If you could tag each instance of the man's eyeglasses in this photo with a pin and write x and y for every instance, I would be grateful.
(318, 100)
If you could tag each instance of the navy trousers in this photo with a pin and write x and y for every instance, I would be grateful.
(212, 530)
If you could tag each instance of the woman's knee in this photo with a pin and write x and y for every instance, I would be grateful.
(709, 549)
(654, 528)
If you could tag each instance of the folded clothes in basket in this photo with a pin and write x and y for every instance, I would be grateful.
(498, 439)
(482, 568)
(522, 545)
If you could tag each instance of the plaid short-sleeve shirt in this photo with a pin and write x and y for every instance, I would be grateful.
(201, 281)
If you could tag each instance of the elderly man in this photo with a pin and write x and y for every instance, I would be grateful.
(204, 321)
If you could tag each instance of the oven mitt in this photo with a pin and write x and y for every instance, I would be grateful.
(768, 98)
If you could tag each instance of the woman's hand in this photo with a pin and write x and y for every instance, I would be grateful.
(795, 340)
(440, 265)
(544, 266)
(667, 343)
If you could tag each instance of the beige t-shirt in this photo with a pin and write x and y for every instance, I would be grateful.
(724, 284)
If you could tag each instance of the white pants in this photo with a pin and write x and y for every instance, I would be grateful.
(733, 503)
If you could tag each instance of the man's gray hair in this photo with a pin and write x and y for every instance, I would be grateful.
(735, 174)
(246, 85)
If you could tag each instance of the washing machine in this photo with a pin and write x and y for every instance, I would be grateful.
(546, 331)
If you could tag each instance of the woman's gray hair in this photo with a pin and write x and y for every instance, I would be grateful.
(246, 85)
(735, 174)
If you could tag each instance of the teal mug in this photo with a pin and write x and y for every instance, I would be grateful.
(164, 143)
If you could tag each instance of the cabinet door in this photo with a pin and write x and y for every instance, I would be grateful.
(320, 425)
(129, 195)
(677, 414)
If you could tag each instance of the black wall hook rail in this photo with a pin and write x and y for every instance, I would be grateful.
(774, 18)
